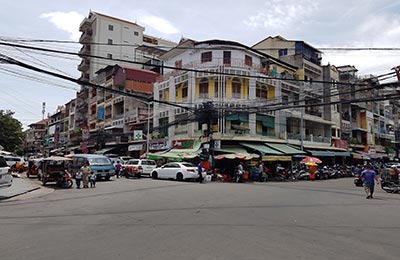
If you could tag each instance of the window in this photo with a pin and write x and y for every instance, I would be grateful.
(285, 100)
(282, 52)
(216, 87)
(236, 88)
(261, 91)
(136, 33)
(109, 56)
(227, 57)
(206, 56)
(111, 27)
(110, 42)
(203, 88)
(184, 92)
(248, 60)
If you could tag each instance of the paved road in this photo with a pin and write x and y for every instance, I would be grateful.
(153, 219)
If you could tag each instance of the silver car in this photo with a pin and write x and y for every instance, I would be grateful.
(6, 178)
(176, 170)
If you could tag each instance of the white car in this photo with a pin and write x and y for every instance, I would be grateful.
(6, 178)
(139, 167)
(176, 170)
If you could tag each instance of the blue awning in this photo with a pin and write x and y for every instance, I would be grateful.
(322, 153)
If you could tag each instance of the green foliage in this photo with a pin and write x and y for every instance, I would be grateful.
(11, 135)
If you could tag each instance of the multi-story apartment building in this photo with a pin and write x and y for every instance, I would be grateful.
(107, 41)
(54, 140)
(35, 136)
(312, 126)
(113, 118)
(243, 84)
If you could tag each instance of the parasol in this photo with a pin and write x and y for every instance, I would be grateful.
(310, 159)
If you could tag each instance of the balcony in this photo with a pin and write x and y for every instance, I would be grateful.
(84, 51)
(84, 65)
(118, 100)
(309, 138)
(86, 36)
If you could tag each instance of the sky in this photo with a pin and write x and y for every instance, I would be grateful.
(320, 23)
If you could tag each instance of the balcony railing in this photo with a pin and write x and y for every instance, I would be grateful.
(309, 138)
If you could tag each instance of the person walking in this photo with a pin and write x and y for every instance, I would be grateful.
(92, 179)
(260, 172)
(200, 170)
(85, 169)
(78, 179)
(369, 177)
(117, 169)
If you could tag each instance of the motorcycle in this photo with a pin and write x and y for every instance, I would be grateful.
(390, 186)
(301, 175)
(65, 180)
(358, 182)
(238, 176)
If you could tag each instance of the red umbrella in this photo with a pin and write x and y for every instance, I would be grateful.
(310, 159)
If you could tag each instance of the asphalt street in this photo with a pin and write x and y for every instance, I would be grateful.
(155, 219)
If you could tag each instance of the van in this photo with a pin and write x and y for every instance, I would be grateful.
(99, 164)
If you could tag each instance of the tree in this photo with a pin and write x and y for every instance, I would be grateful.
(11, 135)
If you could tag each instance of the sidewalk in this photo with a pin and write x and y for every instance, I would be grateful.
(21, 186)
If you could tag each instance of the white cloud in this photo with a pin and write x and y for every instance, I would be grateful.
(66, 21)
(280, 13)
(159, 24)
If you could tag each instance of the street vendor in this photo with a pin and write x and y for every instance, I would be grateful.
(313, 169)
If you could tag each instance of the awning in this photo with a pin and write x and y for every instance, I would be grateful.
(357, 156)
(232, 156)
(286, 149)
(322, 153)
(234, 152)
(266, 121)
(175, 155)
(263, 149)
(104, 151)
(342, 154)
(238, 117)
(273, 158)
(362, 154)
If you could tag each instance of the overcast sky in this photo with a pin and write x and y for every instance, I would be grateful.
(340, 23)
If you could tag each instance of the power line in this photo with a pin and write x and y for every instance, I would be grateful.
(85, 83)
(3, 38)
(170, 67)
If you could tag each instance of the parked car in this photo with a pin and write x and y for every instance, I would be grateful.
(138, 167)
(176, 170)
(6, 178)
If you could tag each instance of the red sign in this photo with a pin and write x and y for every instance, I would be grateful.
(341, 144)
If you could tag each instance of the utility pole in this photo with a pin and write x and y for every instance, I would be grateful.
(148, 129)
(207, 115)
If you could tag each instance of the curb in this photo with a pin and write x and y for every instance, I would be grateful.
(18, 194)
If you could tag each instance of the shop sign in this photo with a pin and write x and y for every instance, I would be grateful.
(135, 147)
(182, 144)
(85, 133)
(341, 144)
(137, 134)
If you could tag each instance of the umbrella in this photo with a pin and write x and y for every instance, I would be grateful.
(310, 159)
(311, 164)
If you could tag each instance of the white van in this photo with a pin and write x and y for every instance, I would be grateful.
(6, 178)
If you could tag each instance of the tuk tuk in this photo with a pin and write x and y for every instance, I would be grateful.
(33, 167)
(55, 169)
